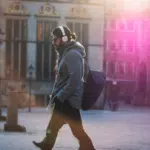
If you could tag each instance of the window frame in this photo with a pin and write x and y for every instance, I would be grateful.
(123, 22)
(109, 45)
(114, 72)
(42, 42)
(74, 21)
(134, 25)
(109, 24)
(17, 74)
(132, 68)
(119, 64)
(126, 46)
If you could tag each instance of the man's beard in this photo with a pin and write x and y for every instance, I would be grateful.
(60, 49)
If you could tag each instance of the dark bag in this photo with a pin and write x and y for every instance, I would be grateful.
(93, 87)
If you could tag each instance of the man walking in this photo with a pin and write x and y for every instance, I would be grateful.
(67, 91)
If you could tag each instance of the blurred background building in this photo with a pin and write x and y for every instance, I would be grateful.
(127, 48)
(114, 33)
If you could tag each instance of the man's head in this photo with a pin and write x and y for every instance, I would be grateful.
(62, 35)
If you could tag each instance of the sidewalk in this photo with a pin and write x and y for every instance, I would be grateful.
(126, 129)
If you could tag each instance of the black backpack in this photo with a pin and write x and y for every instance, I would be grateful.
(94, 83)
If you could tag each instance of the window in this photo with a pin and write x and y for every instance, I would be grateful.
(121, 24)
(16, 47)
(78, 31)
(106, 25)
(39, 33)
(121, 68)
(70, 25)
(113, 24)
(130, 68)
(81, 30)
(120, 45)
(45, 58)
(130, 25)
(142, 75)
(145, 25)
(145, 28)
(133, 69)
(85, 33)
(106, 44)
(129, 45)
(113, 45)
(111, 68)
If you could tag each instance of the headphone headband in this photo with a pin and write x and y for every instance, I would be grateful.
(62, 30)
(64, 37)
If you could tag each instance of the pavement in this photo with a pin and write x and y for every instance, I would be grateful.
(126, 129)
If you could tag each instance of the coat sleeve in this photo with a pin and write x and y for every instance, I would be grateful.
(74, 67)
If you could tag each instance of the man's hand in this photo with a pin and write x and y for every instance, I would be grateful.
(56, 100)
(51, 103)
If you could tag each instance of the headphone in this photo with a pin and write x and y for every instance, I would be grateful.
(64, 37)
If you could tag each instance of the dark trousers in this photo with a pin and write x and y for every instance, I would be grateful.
(64, 113)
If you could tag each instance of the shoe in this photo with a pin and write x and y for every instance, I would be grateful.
(41, 145)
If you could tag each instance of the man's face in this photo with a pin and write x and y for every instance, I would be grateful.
(56, 41)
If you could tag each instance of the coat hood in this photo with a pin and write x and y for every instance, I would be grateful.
(78, 46)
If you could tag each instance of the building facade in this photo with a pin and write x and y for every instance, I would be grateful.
(126, 47)
(27, 26)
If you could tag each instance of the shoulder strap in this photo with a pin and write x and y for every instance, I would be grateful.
(83, 61)
(86, 70)
(86, 67)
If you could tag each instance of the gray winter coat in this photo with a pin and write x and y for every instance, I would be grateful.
(69, 83)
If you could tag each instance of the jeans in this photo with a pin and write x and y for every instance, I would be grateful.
(64, 113)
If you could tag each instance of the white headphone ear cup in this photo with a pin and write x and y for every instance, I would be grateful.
(64, 38)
